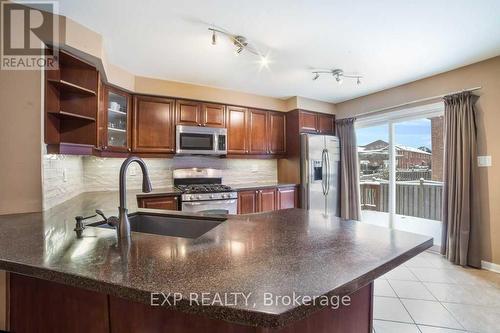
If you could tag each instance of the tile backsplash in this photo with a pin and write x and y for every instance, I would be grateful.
(67, 176)
(62, 179)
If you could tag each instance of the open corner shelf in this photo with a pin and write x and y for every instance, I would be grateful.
(71, 106)
(70, 148)
(64, 114)
(71, 87)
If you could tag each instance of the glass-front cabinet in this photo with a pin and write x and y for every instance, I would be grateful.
(117, 110)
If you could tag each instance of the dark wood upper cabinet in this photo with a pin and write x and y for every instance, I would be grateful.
(308, 121)
(194, 113)
(153, 125)
(266, 200)
(213, 115)
(236, 120)
(326, 124)
(247, 202)
(257, 132)
(313, 122)
(187, 113)
(277, 132)
(115, 120)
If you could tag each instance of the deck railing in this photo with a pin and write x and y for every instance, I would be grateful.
(419, 199)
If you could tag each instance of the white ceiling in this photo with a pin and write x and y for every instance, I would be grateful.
(390, 42)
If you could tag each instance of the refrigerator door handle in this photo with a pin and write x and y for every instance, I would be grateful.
(324, 167)
(328, 173)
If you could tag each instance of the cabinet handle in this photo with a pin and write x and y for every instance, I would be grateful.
(129, 149)
(199, 124)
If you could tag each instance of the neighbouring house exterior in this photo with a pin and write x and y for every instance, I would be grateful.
(376, 155)
(437, 139)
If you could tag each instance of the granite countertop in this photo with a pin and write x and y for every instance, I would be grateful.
(237, 187)
(279, 252)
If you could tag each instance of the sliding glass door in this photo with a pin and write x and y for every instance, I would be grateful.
(374, 169)
(401, 170)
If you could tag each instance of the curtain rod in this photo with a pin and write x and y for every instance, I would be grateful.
(414, 102)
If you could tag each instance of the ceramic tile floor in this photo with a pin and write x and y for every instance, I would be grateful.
(427, 294)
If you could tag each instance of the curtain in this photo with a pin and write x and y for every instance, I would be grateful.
(350, 205)
(460, 237)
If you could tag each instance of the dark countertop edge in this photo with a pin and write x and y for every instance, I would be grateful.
(243, 187)
(238, 316)
(235, 187)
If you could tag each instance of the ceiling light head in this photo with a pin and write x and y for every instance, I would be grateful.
(339, 79)
(240, 42)
(214, 38)
(316, 76)
(358, 81)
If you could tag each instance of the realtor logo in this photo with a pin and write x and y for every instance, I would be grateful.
(27, 28)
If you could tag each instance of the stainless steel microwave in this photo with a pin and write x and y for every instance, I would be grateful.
(194, 140)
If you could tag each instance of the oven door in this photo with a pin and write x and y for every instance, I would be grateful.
(211, 207)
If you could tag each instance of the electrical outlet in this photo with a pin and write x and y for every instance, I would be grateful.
(65, 176)
(484, 161)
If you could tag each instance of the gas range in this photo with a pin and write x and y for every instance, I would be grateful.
(194, 192)
(203, 192)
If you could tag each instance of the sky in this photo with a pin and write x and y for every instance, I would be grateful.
(414, 133)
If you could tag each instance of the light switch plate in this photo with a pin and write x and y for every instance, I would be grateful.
(484, 161)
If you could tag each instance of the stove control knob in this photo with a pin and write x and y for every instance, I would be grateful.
(188, 197)
(198, 197)
(225, 195)
(211, 196)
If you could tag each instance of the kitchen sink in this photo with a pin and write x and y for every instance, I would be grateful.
(169, 225)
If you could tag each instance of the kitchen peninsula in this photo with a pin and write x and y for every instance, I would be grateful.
(281, 252)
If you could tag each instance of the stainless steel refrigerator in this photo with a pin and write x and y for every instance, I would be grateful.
(319, 165)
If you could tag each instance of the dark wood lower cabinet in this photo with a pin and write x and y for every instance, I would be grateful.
(247, 202)
(43, 306)
(287, 197)
(266, 200)
(167, 202)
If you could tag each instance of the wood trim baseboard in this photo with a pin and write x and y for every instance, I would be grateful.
(490, 266)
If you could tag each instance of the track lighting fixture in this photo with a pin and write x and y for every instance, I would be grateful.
(338, 74)
(240, 43)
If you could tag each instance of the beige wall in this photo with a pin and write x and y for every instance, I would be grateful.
(144, 85)
(314, 105)
(487, 75)
(20, 142)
